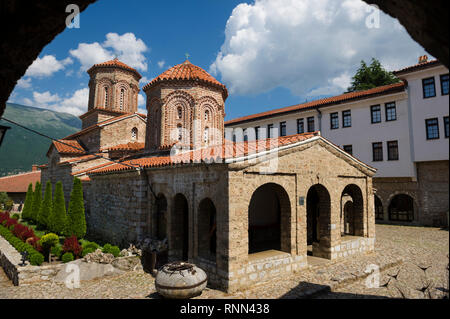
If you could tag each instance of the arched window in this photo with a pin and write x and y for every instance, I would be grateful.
(179, 112)
(122, 95)
(105, 102)
(180, 132)
(134, 133)
(206, 115)
(206, 135)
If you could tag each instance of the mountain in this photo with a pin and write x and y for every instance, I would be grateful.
(21, 148)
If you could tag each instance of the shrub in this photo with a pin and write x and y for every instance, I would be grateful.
(77, 219)
(37, 199)
(4, 216)
(34, 241)
(72, 245)
(49, 240)
(35, 257)
(16, 216)
(90, 245)
(10, 223)
(46, 207)
(58, 218)
(56, 251)
(109, 249)
(26, 211)
(23, 232)
(67, 257)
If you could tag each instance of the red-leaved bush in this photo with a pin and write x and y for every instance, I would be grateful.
(71, 245)
(10, 222)
(23, 232)
(4, 216)
(34, 241)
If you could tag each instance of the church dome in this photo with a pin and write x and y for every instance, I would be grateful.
(115, 64)
(187, 71)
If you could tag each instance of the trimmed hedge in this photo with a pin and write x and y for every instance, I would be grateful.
(110, 249)
(35, 257)
(67, 257)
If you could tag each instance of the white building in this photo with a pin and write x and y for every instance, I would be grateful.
(401, 129)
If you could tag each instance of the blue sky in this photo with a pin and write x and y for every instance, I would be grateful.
(269, 53)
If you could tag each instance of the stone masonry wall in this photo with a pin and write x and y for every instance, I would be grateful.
(298, 169)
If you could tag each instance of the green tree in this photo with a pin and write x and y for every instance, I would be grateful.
(5, 202)
(58, 218)
(27, 207)
(77, 219)
(368, 77)
(37, 199)
(46, 207)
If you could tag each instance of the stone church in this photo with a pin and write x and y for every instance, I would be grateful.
(245, 212)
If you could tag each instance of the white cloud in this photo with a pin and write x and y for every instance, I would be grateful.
(161, 64)
(90, 53)
(45, 98)
(127, 48)
(144, 80)
(142, 111)
(309, 47)
(75, 104)
(27, 101)
(141, 100)
(24, 83)
(46, 66)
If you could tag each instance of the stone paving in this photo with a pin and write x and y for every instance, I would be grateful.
(398, 251)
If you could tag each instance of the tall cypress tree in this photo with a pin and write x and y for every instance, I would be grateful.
(27, 207)
(37, 199)
(77, 219)
(58, 218)
(46, 207)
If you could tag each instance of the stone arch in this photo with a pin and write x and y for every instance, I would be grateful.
(352, 211)
(402, 208)
(160, 217)
(174, 102)
(123, 96)
(104, 97)
(318, 217)
(207, 229)
(134, 134)
(379, 209)
(269, 222)
(154, 123)
(180, 227)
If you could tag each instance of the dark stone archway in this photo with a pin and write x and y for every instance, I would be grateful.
(401, 208)
(207, 230)
(269, 219)
(318, 216)
(180, 227)
(352, 212)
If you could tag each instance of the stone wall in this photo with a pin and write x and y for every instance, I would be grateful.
(429, 193)
(298, 170)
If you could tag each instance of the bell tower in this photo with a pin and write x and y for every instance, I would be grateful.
(113, 90)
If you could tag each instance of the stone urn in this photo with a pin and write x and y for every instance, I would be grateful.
(180, 280)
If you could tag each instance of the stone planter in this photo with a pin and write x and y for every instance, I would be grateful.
(180, 280)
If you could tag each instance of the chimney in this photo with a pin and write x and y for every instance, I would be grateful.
(34, 168)
(423, 59)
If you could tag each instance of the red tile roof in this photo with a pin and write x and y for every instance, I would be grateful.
(131, 146)
(187, 71)
(228, 150)
(114, 63)
(391, 88)
(68, 147)
(19, 183)
(418, 66)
